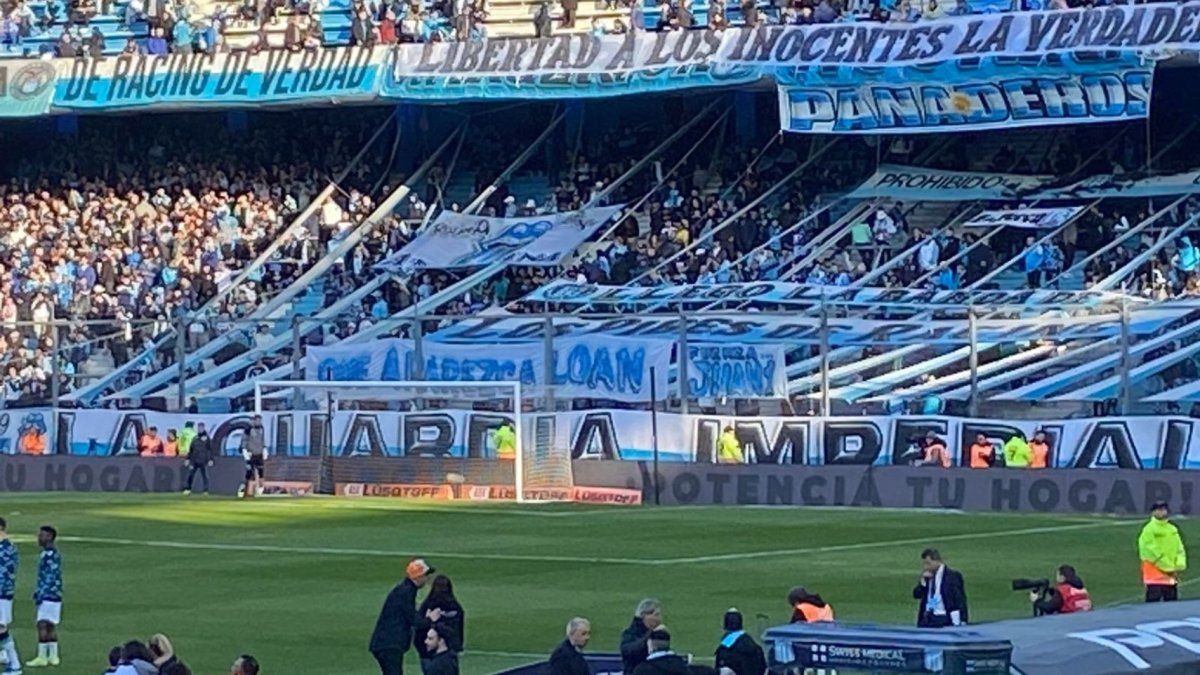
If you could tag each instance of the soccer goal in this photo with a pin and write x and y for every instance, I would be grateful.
(466, 440)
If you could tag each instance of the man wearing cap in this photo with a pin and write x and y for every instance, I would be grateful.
(661, 660)
(1163, 555)
(394, 628)
(738, 651)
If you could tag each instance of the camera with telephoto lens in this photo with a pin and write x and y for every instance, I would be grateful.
(1039, 586)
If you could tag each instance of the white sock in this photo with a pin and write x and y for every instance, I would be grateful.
(43, 650)
(10, 648)
(52, 650)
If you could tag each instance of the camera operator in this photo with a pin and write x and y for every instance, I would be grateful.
(1067, 596)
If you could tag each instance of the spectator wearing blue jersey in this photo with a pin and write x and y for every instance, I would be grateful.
(1035, 255)
(1186, 260)
(181, 37)
(9, 562)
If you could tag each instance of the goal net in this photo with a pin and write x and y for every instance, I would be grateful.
(460, 440)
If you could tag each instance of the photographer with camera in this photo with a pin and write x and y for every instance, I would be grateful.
(1067, 596)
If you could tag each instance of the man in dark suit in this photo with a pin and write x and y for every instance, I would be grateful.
(567, 658)
(634, 649)
(941, 592)
(394, 629)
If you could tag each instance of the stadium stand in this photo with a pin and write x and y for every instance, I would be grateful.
(704, 210)
(115, 27)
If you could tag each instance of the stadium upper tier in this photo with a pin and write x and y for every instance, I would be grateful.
(84, 27)
(181, 269)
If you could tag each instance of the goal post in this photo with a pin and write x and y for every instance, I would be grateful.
(540, 470)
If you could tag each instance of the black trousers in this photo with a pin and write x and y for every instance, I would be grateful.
(1162, 592)
(391, 661)
(193, 469)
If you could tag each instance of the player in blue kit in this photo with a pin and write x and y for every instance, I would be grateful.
(10, 663)
(48, 597)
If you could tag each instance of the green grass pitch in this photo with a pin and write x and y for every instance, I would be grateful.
(298, 582)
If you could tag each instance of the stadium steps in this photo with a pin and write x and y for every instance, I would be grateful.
(526, 186)
(111, 26)
(929, 216)
(460, 188)
(312, 301)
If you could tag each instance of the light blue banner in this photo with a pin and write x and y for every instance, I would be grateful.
(973, 95)
(955, 72)
(191, 80)
(26, 88)
(616, 369)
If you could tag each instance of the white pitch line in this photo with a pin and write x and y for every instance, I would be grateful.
(838, 548)
(256, 548)
(506, 557)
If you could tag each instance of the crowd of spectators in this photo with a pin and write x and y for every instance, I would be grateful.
(143, 227)
(116, 244)
(179, 26)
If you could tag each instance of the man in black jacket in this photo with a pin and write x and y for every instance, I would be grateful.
(942, 593)
(393, 629)
(634, 650)
(200, 457)
(437, 642)
(661, 661)
(738, 651)
(567, 658)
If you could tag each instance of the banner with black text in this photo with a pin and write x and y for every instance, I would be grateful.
(181, 81)
(1033, 219)
(1134, 28)
(1112, 442)
(923, 107)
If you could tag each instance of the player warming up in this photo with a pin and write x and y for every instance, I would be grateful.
(48, 598)
(10, 664)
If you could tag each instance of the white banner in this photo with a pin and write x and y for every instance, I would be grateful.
(736, 371)
(1034, 219)
(923, 107)
(600, 367)
(455, 240)
(566, 292)
(562, 54)
(1138, 28)
(920, 184)
(1128, 185)
(1129, 442)
(762, 328)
